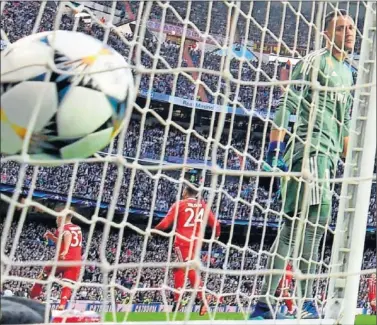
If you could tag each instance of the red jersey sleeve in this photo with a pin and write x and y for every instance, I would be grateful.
(169, 218)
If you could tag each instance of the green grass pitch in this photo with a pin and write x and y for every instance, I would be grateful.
(135, 317)
(365, 320)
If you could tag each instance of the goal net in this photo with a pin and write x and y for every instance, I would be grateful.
(210, 76)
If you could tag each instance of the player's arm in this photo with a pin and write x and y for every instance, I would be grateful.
(67, 240)
(169, 218)
(51, 236)
(289, 103)
(346, 126)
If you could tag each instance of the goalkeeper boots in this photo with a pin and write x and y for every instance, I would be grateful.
(262, 311)
(310, 311)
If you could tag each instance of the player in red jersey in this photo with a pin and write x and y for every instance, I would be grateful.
(188, 213)
(372, 293)
(284, 286)
(70, 250)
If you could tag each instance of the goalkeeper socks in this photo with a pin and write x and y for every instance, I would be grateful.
(196, 282)
(36, 290)
(179, 281)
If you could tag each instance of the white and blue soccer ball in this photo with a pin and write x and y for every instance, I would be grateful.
(78, 91)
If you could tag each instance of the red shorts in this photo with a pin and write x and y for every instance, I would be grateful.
(69, 273)
(184, 253)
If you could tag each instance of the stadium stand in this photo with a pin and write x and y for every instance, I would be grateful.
(32, 246)
(18, 21)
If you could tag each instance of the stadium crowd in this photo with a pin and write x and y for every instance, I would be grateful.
(32, 247)
(241, 199)
(263, 14)
(227, 204)
(19, 19)
(88, 186)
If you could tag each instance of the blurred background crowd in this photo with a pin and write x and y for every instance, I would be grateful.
(147, 282)
(158, 143)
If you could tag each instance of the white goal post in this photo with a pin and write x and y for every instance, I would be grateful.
(209, 75)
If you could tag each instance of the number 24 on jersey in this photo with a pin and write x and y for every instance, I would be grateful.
(193, 217)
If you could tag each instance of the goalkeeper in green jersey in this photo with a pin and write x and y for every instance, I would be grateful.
(327, 144)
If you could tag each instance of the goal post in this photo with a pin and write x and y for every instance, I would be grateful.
(210, 75)
(352, 216)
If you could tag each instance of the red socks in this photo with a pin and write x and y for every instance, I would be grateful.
(196, 282)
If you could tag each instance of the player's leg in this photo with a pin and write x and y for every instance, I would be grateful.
(37, 288)
(196, 282)
(318, 214)
(186, 253)
(284, 294)
(288, 301)
(179, 279)
(310, 251)
(318, 217)
(70, 276)
(282, 249)
(373, 306)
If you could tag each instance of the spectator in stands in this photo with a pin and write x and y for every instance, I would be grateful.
(31, 247)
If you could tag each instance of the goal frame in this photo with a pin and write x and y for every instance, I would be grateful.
(352, 218)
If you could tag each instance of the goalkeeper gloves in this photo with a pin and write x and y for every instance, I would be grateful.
(274, 159)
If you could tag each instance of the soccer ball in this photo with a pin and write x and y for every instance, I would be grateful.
(76, 92)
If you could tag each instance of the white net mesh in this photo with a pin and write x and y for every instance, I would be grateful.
(210, 75)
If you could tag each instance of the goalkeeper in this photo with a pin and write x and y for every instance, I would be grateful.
(328, 142)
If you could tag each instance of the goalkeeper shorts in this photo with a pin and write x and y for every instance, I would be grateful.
(319, 191)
